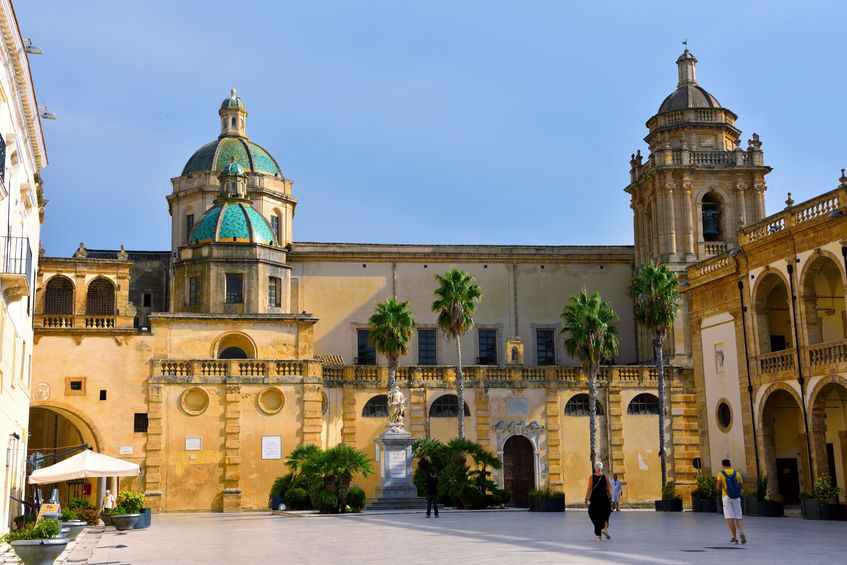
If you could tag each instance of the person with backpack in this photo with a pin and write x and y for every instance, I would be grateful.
(729, 481)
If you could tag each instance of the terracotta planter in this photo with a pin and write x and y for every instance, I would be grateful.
(39, 551)
(668, 505)
(74, 528)
(125, 521)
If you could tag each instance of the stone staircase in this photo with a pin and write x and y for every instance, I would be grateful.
(397, 503)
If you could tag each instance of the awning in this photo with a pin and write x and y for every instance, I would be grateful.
(85, 464)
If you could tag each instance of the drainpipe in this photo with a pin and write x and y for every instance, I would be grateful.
(749, 382)
(800, 378)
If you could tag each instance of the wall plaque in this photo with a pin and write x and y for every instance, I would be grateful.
(193, 443)
(396, 463)
(271, 447)
(126, 450)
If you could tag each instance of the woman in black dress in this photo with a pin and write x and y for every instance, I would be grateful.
(598, 498)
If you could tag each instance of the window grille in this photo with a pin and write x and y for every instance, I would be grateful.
(545, 347)
(376, 407)
(643, 404)
(234, 288)
(579, 406)
(59, 296)
(426, 347)
(100, 300)
(447, 406)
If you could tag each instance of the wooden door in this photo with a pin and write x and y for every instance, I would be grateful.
(519, 470)
(788, 480)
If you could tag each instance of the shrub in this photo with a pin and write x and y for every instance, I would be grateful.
(44, 529)
(501, 496)
(296, 498)
(131, 502)
(761, 487)
(669, 491)
(118, 511)
(356, 499)
(79, 503)
(824, 490)
(462, 469)
(325, 502)
(89, 515)
(707, 487)
(544, 493)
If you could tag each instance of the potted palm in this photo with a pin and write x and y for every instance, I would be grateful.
(38, 544)
(759, 505)
(671, 502)
(128, 510)
(545, 500)
(704, 498)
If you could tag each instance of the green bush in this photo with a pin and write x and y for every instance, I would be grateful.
(761, 487)
(501, 496)
(356, 499)
(79, 503)
(118, 511)
(707, 487)
(669, 491)
(131, 502)
(325, 502)
(296, 498)
(824, 490)
(45, 528)
(544, 493)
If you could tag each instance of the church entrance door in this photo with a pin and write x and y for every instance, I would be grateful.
(519, 469)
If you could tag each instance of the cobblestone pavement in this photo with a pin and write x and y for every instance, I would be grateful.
(508, 537)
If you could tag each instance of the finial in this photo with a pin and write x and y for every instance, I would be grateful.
(232, 93)
(843, 179)
(789, 202)
(685, 42)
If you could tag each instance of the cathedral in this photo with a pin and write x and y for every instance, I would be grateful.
(209, 362)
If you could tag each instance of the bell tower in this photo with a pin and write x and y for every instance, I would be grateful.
(697, 186)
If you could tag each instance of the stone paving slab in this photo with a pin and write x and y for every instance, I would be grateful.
(526, 538)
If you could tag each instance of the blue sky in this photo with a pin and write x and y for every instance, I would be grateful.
(418, 122)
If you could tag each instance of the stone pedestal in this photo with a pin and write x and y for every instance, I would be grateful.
(395, 466)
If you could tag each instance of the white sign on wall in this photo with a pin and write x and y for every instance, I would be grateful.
(193, 443)
(396, 463)
(271, 447)
(126, 450)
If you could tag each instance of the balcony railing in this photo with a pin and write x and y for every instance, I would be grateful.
(216, 368)
(81, 321)
(797, 215)
(825, 355)
(776, 361)
(15, 266)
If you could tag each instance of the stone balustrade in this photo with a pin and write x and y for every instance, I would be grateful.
(776, 361)
(824, 357)
(807, 211)
(219, 368)
(81, 322)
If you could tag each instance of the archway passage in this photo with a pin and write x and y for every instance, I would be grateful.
(773, 316)
(829, 433)
(519, 469)
(823, 302)
(783, 444)
(53, 431)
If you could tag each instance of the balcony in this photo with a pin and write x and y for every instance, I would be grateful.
(15, 267)
(216, 370)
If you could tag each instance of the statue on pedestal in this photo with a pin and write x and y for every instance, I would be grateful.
(396, 410)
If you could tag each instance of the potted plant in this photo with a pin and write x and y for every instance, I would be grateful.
(37, 544)
(823, 504)
(73, 523)
(704, 498)
(671, 502)
(128, 510)
(545, 500)
(759, 505)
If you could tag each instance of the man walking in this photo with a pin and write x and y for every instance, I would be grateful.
(729, 481)
(432, 493)
(617, 489)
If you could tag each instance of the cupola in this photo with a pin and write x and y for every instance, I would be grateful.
(233, 115)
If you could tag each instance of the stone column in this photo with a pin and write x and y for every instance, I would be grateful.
(671, 204)
(689, 220)
(741, 195)
(232, 446)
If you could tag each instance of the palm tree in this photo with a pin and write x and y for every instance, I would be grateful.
(457, 298)
(657, 302)
(299, 456)
(392, 327)
(591, 338)
(335, 467)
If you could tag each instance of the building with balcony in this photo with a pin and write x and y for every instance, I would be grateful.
(769, 335)
(22, 156)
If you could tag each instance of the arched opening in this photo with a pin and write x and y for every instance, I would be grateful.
(59, 296)
(579, 405)
(376, 407)
(644, 404)
(52, 431)
(773, 317)
(829, 432)
(234, 346)
(783, 443)
(447, 406)
(823, 301)
(712, 211)
(519, 469)
(100, 299)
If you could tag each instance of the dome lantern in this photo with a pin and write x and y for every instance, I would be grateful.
(233, 115)
(233, 181)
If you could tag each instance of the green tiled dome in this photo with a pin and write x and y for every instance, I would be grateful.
(232, 102)
(233, 168)
(233, 221)
(218, 154)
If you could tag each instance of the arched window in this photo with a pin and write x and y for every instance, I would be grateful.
(233, 353)
(712, 217)
(100, 300)
(232, 122)
(643, 404)
(447, 406)
(376, 407)
(578, 406)
(59, 296)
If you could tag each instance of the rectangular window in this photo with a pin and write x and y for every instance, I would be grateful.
(140, 424)
(189, 225)
(194, 291)
(545, 346)
(275, 227)
(365, 352)
(148, 300)
(234, 288)
(76, 385)
(487, 347)
(102, 394)
(426, 347)
(273, 291)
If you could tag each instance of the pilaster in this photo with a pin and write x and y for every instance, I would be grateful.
(155, 453)
(312, 417)
(483, 427)
(348, 416)
(232, 447)
(553, 409)
(417, 411)
(616, 437)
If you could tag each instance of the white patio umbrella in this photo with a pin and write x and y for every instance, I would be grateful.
(85, 464)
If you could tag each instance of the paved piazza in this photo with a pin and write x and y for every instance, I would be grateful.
(464, 537)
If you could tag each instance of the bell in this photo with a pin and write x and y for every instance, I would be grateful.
(710, 224)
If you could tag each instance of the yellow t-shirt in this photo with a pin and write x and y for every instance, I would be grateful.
(722, 481)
